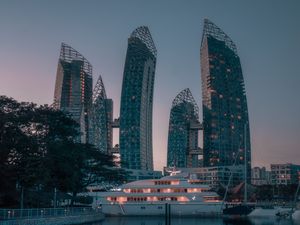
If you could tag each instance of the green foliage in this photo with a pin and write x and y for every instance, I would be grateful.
(38, 152)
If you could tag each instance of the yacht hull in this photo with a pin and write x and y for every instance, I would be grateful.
(203, 210)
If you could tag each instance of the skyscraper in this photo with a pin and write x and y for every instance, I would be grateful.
(225, 113)
(73, 88)
(183, 149)
(102, 117)
(137, 100)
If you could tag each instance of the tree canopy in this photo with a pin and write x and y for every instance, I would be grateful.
(38, 151)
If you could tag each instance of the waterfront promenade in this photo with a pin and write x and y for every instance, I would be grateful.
(49, 216)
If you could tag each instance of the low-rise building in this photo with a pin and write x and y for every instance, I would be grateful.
(260, 176)
(284, 174)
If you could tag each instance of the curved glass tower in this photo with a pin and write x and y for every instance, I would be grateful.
(183, 147)
(73, 88)
(225, 113)
(102, 118)
(137, 101)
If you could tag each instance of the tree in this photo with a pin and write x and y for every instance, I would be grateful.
(15, 145)
(75, 166)
(38, 151)
(71, 166)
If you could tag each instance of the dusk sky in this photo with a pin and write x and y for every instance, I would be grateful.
(267, 35)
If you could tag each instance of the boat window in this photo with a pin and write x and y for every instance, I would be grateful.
(137, 199)
(136, 191)
(162, 182)
(112, 199)
(175, 182)
(146, 190)
(211, 198)
(196, 182)
(193, 190)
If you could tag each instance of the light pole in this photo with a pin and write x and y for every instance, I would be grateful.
(54, 198)
(245, 159)
(22, 198)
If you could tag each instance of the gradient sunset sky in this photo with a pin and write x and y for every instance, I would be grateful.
(267, 35)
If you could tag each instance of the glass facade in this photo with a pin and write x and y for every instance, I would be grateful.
(73, 89)
(102, 118)
(183, 150)
(225, 115)
(137, 101)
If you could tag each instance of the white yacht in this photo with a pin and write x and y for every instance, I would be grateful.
(179, 195)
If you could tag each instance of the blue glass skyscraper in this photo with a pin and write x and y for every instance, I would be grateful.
(225, 112)
(183, 149)
(137, 100)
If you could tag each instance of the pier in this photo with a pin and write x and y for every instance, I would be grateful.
(49, 216)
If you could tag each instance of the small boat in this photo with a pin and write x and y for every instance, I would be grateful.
(239, 210)
(274, 212)
(296, 216)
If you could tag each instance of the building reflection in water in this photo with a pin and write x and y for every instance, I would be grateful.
(188, 221)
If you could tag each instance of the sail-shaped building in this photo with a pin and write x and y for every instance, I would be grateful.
(102, 117)
(137, 101)
(183, 147)
(225, 113)
(73, 89)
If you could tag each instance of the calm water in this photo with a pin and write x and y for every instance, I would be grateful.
(188, 221)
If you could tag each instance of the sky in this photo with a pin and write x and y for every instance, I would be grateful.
(267, 35)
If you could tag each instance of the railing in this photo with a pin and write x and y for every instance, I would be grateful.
(13, 214)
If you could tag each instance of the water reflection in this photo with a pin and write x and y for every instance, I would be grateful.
(187, 221)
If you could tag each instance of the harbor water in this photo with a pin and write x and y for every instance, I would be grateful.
(191, 221)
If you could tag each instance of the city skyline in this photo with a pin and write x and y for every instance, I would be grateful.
(33, 32)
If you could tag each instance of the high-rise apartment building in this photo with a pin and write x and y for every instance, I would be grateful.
(73, 89)
(137, 100)
(102, 118)
(225, 114)
(183, 147)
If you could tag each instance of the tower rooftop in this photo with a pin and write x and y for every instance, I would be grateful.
(144, 35)
(68, 54)
(212, 30)
(185, 96)
(99, 90)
